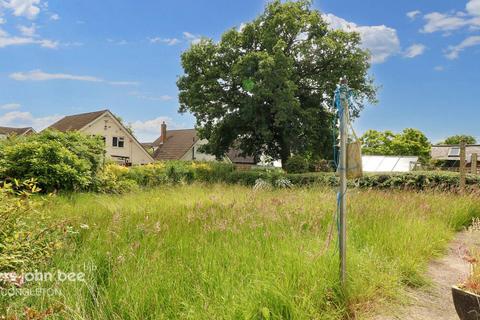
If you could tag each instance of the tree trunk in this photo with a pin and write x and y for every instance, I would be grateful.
(284, 153)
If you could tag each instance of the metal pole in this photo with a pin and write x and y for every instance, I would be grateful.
(343, 182)
(462, 166)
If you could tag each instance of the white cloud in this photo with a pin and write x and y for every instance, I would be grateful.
(73, 44)
(17, 41)
(193, 38)
(39, 75)
(148, 96)
(26, 119)
(149, 130)
(413, 14)
(447, 22)
(2, 20)
(473, 7)
(167, 41)
(439, 68)
(118, 42)
(23, 8)
(382, 41)
(28, 31)
(453, 52)
(6, 40)
(415, 50)
(49, 44)
(436, 21)
(54, 17)
(10, 106)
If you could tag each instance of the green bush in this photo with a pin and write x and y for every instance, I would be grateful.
(213, 172)
(179, 171)
(58, 161)
(435, 180)
(115, 179)
(297, 164)
(27, 238)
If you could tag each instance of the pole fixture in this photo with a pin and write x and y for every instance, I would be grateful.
(343, 93)
(462, 166)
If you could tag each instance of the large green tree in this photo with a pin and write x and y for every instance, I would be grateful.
(266, 88)
(459, 138)
(410, 142)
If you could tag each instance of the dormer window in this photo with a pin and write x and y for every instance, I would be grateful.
(118, 142)
(454, 152)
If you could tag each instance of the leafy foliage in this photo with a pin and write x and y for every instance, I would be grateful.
(58, 161)
(297, 164)
(114, 179)
(457, 139)
(26, 237)
(264, 88)
(121, 179)
(411, 142)
(438, 180)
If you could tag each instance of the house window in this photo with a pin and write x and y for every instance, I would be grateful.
(118, 142)
(454, 152)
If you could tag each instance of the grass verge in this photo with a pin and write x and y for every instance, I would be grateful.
(228, 252)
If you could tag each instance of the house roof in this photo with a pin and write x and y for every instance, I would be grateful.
(76, 121)
(440, 152)
(177, 144)
(79, 121)
(17, 131)
(180, 141)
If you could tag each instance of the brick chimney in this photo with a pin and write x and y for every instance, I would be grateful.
(163, 134)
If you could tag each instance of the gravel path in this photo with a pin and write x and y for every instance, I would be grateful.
(435, 302)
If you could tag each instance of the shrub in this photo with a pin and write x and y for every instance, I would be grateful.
(179, 171)
(297, 164)
(436, 180)
(58, 161)
(212, 171)
(149, 175)
(26, 237)
(114, 179)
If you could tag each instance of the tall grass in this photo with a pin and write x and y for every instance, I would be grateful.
(228, 252)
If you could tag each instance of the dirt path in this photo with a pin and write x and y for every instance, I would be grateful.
(435, 302)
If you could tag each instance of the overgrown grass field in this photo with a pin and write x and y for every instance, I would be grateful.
(229, 252)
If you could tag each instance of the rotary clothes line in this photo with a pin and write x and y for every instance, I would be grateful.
(349, 165)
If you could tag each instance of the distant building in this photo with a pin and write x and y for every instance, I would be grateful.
(185, 144)
(450, 154)
(388, 163)
(5, 132)
(120, 145)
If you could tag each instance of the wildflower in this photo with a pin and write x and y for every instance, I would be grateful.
(84, 226)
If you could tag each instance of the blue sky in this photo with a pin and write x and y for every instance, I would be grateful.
(65, 57)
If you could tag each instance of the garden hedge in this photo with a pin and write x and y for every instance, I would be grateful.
(435, 180)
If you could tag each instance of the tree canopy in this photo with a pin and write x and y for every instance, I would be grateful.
(266, 87)
(410, 142)
(457, 139)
